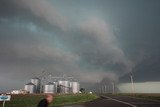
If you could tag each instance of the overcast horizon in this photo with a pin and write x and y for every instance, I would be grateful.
(92, 40)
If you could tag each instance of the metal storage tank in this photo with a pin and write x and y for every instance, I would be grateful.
(37, 82)
(30, 87)
(75, 87)
(49, 88)
(63, 86)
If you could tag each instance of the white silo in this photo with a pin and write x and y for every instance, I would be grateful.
(49, 88)
(30, 87)
(75, 87)
(63, 86)
(37, 82)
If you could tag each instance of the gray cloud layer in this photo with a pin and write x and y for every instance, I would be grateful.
(44, 38)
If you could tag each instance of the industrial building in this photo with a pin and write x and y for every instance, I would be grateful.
(50, 84)
(21, 91)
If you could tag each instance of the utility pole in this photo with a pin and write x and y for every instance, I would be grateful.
(113, 88)
(132, 83)
(102, 89)
(105, 87)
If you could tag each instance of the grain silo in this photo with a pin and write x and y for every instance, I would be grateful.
(37, 82)
(49, 88)
(63, 86)
(75, 87)
(30, 87)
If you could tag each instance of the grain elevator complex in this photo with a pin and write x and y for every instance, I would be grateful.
(51, 84)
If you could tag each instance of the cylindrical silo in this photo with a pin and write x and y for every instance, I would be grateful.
(75, 87)
(37, 82)
(49, 88)
(30, 87)
(63, 86)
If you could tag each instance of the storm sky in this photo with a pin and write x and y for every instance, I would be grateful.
(92, 40)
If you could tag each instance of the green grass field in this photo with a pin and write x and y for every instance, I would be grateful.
(60, 100)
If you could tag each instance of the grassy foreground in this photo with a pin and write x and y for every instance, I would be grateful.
(60, 100)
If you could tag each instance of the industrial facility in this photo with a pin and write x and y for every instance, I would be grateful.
(52, 84)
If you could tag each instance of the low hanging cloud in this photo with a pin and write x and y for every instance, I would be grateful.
(94, 27)
(89, 50)
(97, 76)
(108, 50)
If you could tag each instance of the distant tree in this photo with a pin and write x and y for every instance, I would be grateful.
(82, 90)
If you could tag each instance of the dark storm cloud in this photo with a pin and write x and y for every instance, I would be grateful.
(21, 11)
(25, 52)
(10, 10)
(36, 35)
